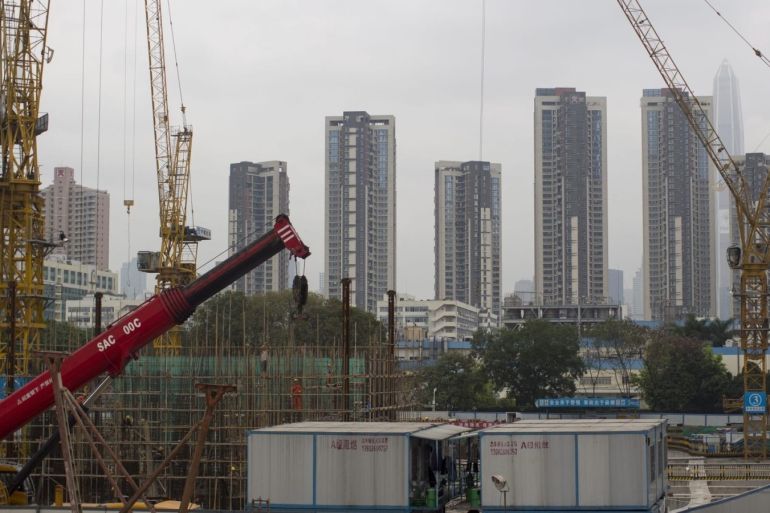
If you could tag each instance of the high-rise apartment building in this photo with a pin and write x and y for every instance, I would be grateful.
(360, 216)
(468, 231)
(570, 197)
(133, 282)
(615, 286)
(728, 120)
(637, 301)
(678, 212)
(259, 191)
(80, 214)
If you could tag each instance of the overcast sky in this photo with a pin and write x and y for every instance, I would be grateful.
(258, 78)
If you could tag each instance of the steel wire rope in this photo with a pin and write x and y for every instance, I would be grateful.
(99, 143)
(481, 89)
(229, 247)
(756, 51)
(127, 280)
(183, 107)
(82, 143)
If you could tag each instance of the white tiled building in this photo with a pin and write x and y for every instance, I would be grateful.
(440, 319)
(82, 312)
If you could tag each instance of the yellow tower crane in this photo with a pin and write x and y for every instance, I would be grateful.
(23, 52)
(175, 264)
(752, 257)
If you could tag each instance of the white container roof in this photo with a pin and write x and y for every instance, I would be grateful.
(427, 430)
(576, 426)
(442, 432)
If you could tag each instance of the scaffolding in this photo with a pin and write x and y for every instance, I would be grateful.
(152, 405)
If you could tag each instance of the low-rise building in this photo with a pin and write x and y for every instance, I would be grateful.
(66, 280)
(515, 315)
(82, 312)
(441, 319)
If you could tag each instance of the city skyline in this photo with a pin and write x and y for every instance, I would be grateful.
(437, 107)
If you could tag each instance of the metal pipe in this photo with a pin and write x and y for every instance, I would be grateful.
(345, 347)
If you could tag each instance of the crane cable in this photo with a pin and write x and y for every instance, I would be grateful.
(481, 89)
(756, 51)
(183, 107)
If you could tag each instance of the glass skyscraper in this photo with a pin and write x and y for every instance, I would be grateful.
(728, 120)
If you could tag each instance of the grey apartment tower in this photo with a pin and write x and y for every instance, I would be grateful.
(728, 120)
(360, 214)
(570, 197)
(468, 230)
(678, 212)
(259, 191)
(80, 213)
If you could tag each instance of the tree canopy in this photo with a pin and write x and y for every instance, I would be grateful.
(459, 382)
(539, 360)
(713, 331)
(682, 374)
(615, 346)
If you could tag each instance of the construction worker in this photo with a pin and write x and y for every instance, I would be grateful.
(296, 395)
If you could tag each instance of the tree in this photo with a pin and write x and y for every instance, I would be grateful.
(459, 382)
(539, 360)
(683, 375)
(714, 331)
(614, 345)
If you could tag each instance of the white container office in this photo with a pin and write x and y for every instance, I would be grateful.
(345, 465)
(575, 465)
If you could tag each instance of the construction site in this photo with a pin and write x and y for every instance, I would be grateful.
(188, 399)
(146, 411)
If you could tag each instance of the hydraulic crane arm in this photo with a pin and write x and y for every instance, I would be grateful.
(111, 350)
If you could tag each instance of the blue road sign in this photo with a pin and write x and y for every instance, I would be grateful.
(754, 402)
(587, 402)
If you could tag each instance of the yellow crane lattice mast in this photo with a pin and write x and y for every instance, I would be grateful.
(176, 261)
(23, 52)
(753, 214)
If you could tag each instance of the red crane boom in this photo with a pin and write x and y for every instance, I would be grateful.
(111, 350)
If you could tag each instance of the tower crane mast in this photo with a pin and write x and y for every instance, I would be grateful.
(176, 261)
(752, 256)
(23, 245)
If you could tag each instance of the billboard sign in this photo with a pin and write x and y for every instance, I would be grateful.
(588, 402)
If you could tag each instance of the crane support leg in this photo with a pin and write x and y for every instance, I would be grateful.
(214, 394)
(754, 326)
(54, 360)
